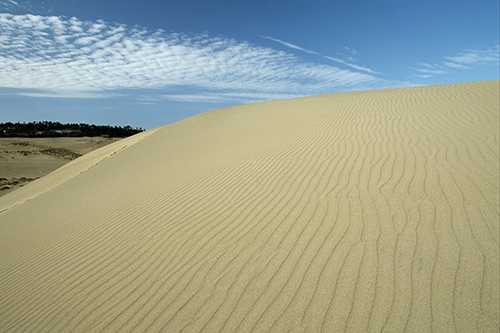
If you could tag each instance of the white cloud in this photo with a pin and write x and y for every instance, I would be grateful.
(463, 60)
(85, 40)
(424, 76)
(66, 94)
(195, 98)
(8, 4)
(340, 61)
(433, 67)
(242, 97)
(454, 65)
(430, 69)
(477, 57)
(68, 57)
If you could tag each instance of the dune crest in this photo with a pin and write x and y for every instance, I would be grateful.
(364, 211)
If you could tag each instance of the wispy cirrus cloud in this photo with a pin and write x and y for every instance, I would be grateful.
(8, 4)
(475, 57)
(63, 57)
(340, 61)
(22, 6)
(464, 60)
(428, 70)
(217, 97)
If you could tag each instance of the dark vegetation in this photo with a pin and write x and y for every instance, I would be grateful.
(56, 129)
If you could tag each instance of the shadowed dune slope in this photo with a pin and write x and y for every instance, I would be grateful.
(364, 211)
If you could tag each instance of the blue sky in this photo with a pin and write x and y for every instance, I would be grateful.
(151, 62)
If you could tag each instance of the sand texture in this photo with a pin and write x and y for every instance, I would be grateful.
(23, 160)
(353, 212)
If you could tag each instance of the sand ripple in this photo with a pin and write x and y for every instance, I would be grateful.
(366, 211)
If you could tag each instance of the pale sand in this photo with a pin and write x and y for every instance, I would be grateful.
(366, 211)
(25, 159)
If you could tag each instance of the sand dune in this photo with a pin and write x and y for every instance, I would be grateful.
(25, 159)
(365, 211)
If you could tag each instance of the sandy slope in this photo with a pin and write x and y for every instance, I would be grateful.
(366, 211)
(25, 159)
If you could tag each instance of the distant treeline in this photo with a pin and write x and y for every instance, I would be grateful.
(56, 129)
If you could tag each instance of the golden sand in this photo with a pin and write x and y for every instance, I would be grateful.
(365, 211)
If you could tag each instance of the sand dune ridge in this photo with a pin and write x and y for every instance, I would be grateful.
(366, 211)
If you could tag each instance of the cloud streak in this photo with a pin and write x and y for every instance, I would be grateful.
(461, 61)
(475, 57)
(340, 61)
(63, 57)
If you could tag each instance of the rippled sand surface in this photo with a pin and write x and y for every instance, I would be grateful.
(364, 211)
